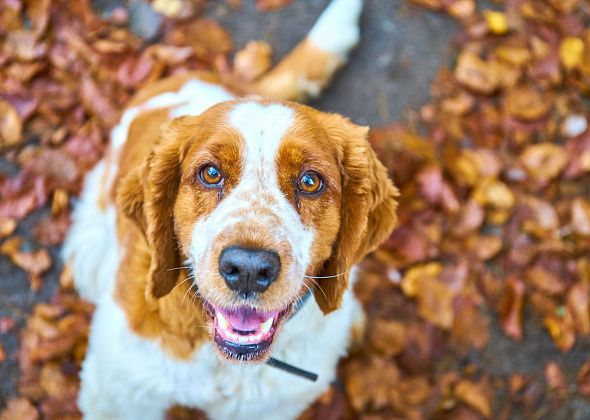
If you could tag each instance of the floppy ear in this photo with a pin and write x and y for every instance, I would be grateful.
(367, 213)
(147, 196)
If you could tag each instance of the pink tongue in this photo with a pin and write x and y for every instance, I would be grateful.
(246, 319)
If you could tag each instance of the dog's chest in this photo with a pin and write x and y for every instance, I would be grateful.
(310, 341)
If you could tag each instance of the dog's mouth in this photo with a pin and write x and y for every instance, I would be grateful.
(245, 333)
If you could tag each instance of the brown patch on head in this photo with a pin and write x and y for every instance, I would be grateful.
(308, 148)
(355, 213)
(164, 196)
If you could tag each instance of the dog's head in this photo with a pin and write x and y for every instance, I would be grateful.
(264, 201)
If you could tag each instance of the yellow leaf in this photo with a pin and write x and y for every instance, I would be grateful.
(496, 21)
(170, 8)
(415, 274)
(570, 51)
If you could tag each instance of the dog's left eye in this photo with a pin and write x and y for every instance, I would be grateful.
(211, 176)
(310, 183)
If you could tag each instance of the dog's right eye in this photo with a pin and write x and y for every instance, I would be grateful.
(211, 176)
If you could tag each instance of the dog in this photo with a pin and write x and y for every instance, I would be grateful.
(218, 210)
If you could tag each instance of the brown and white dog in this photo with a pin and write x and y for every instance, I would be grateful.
(206, 223)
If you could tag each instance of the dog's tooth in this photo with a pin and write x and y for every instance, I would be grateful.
(221, 321)
(266, 325)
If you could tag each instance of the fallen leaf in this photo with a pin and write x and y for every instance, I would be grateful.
(561, 328)
(19, 409)
(476, 74)
(544, 161)
(555, 378)
(475, 395)
(370, 383)
(512, 306)
(253, 61)
(268, 5)
(497, 22)
(526, 103)
(578, 304)
(580, 214)
(491, 192)
(571, 50)
(11, 126)
(7, 226)
(546, 281)
(388, 337)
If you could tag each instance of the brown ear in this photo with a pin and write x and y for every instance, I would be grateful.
(147, 196)
(367, 215)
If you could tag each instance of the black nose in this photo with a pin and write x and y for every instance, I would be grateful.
(248, 270)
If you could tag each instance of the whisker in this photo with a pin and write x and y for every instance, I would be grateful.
(318, 286)
(182, 282)
(179, 268)
(326, 277)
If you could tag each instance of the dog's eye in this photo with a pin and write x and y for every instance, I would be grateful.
(310, 183)
(211, 176)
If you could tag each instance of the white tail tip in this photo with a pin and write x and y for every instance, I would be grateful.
(337, 29)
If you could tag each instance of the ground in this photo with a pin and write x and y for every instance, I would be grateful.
(388, 79)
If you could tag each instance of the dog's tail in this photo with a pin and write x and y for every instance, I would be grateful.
(310, 66)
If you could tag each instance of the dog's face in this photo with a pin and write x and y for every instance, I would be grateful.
(264, 202)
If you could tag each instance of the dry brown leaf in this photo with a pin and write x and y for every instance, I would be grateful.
(561, 328)
(34, 263)
(19, 409)
(253, 61)
(268, 5)
(545, 281)
(370, 382)
(580, 214)
(476, 74)
(578, 304)
(470, 328)
(11, 126)
(491, 192)
(512, 306)
(7, 226)
(475, 395)
(388, 337)
(555, 378)
(544, 161)
(527, 104)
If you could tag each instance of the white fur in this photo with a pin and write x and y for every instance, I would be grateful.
(91, 245)
(261, 128)
(337, 30)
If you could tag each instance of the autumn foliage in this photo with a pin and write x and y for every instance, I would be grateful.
(494, 212)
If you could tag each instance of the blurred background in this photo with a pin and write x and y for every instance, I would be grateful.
(478, 303)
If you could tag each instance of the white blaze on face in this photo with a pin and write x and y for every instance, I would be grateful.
(262, 128)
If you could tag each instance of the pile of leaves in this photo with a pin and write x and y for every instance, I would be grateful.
(494, 217)
(494, 213)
